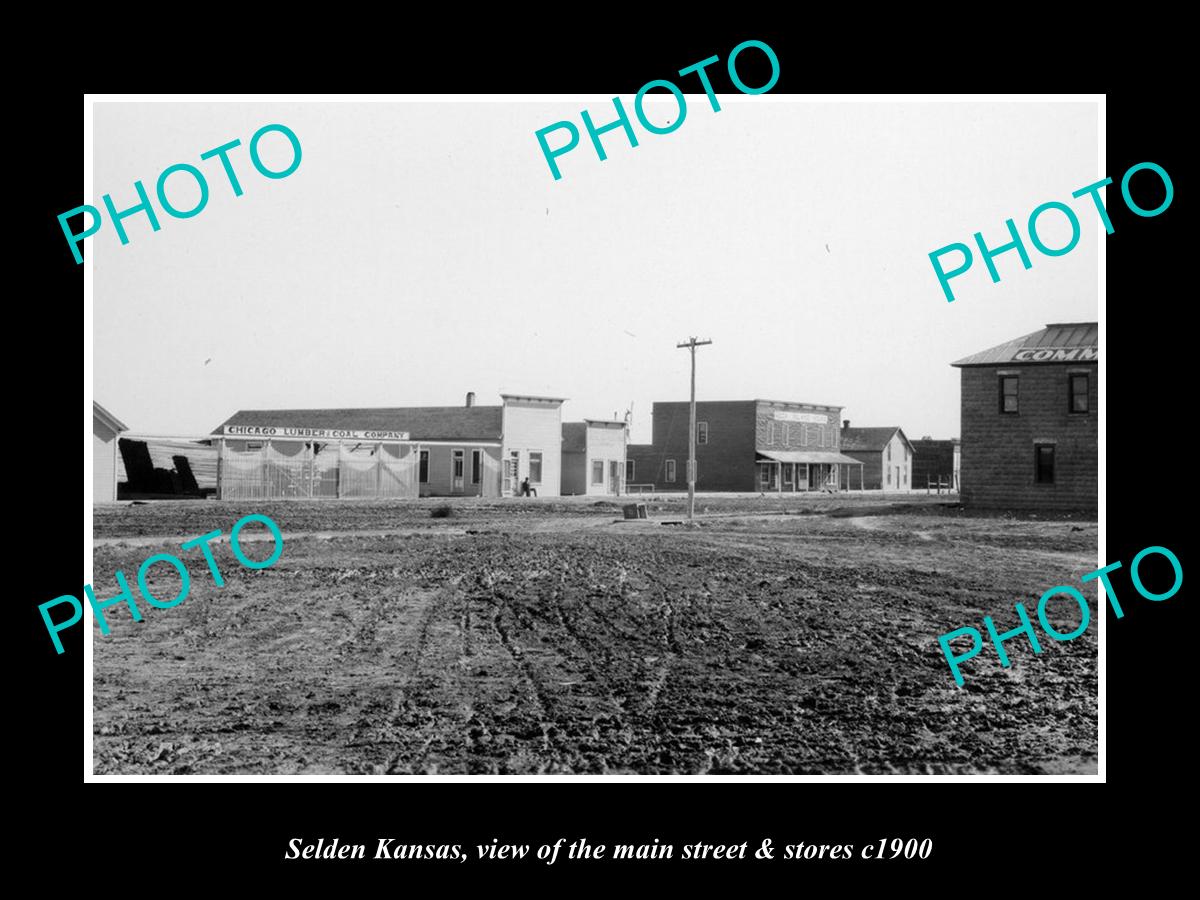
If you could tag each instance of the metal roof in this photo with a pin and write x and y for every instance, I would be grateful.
(429, 423)
(1064, 342)
(808, 456)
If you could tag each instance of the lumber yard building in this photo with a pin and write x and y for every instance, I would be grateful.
(1029, 421)
(936, 463)
(427, 451)
(742, 445)
(593, 457)
(886, 455)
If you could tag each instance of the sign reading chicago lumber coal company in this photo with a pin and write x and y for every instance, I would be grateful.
(800, 417)
(1056, 354)
(331, 434)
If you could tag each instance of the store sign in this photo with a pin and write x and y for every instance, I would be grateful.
(329, 434)
(1056, 354)
(813, 418)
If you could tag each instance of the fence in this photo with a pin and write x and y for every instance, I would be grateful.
(940, 483)
(295, 470)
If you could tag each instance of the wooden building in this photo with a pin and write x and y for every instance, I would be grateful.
(593, 457)
(106, 429)
(427, 451)
(886, 455)
(1029, 421)
(742, 445)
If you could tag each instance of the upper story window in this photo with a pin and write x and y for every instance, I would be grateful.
(701, 432)
(1079, 393)
(1008, 393)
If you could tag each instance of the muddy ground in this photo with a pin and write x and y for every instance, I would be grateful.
(776, 636)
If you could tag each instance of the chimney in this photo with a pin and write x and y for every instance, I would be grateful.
(845, 422)
(470, 398)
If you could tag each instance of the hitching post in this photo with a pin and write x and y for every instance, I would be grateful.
(692, 344)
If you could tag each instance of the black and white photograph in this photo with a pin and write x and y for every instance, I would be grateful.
(736, 435)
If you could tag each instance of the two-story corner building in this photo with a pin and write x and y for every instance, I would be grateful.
(886, 455)
(428, 451)
(1029, 421)
(743, 445)
(593, 457)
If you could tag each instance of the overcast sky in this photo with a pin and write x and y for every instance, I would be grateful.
(423, 250)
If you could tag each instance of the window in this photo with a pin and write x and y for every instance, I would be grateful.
(787, 473)
(458, 464)
(1043, 463)
(1008, 393)
(424, 472)
(889, 452)
(476, 466)
(254, 445)
(889, 474)
(535, 466)
(905, 471)
(597, 471)
(764, 474)
(786, 429)
(628, 471)
(670, 470)
(701, 432)
(1079, 393)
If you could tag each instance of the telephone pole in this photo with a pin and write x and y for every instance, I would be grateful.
(692, 344)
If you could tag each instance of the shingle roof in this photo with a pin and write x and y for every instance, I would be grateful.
(1064, 342)
(867, 439)
(574, 437)
(424, 423)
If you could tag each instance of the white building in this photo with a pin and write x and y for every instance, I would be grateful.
(427, 451)
(593, 457)
(106, 430)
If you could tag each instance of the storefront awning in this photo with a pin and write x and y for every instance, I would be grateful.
(808, 456)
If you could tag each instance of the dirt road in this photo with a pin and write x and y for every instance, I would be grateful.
(560, 641)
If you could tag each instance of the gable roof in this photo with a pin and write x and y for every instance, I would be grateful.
(423, 423)
(99, 412)
(1064, 342)
(868, 440)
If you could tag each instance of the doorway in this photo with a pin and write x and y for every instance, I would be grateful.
(456, 472)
